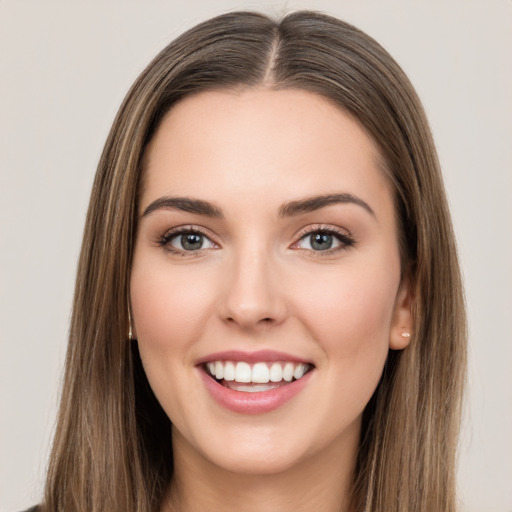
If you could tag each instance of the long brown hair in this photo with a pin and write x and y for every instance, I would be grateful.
(112, 449)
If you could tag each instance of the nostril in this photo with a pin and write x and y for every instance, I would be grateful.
(266, 320)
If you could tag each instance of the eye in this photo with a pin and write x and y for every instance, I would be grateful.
(186, 240)
(328, 240)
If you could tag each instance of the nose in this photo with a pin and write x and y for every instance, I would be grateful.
(253, 297)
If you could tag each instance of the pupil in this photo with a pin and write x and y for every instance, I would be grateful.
(191, 241)
(321, 241)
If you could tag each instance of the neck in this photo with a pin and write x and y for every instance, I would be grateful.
(322, 482)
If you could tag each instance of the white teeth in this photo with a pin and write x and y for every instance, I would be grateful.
(288, 372)
(276, 372)
(243, 372)
(229, 371)
(299, 371)
(219, 370)
(258, 373)
(253, 388)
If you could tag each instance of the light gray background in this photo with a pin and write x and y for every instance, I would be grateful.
(64, 69)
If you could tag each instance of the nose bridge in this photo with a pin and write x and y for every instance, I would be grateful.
(253, 296)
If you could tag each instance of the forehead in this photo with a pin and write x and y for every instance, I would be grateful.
(277, 144)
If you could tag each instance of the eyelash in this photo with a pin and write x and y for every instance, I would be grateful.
(165, 240)
(346, 241)
(344, 238)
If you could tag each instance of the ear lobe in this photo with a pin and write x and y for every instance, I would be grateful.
(401, 326)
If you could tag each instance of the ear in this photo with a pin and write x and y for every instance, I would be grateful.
(401, 333)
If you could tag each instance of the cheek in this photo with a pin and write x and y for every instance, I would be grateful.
(353, 305)
(169, 310)
(350, 317)
(168, 307)
(349, 313)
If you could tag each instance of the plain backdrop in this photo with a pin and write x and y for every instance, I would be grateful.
(64, 70)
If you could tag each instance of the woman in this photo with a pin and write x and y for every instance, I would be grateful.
(268, 311)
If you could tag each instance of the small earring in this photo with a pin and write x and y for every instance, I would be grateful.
(405, 334)
(130, 331)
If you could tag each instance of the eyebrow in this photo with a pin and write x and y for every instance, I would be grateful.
(290, 209)
(314, 203)
(185, 204)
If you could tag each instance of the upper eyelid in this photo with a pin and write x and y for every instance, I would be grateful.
(188, 228)
(327, 228)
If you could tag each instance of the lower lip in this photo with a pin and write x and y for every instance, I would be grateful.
(253, 403)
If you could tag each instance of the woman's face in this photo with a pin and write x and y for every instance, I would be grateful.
(266, 250)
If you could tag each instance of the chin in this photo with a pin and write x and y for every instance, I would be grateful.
(270, 448)
(253, 460)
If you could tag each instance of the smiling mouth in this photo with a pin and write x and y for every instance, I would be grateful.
(256, 377)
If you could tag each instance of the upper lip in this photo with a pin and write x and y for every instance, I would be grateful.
(252, 357)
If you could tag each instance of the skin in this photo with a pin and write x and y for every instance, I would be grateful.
(258, 284)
